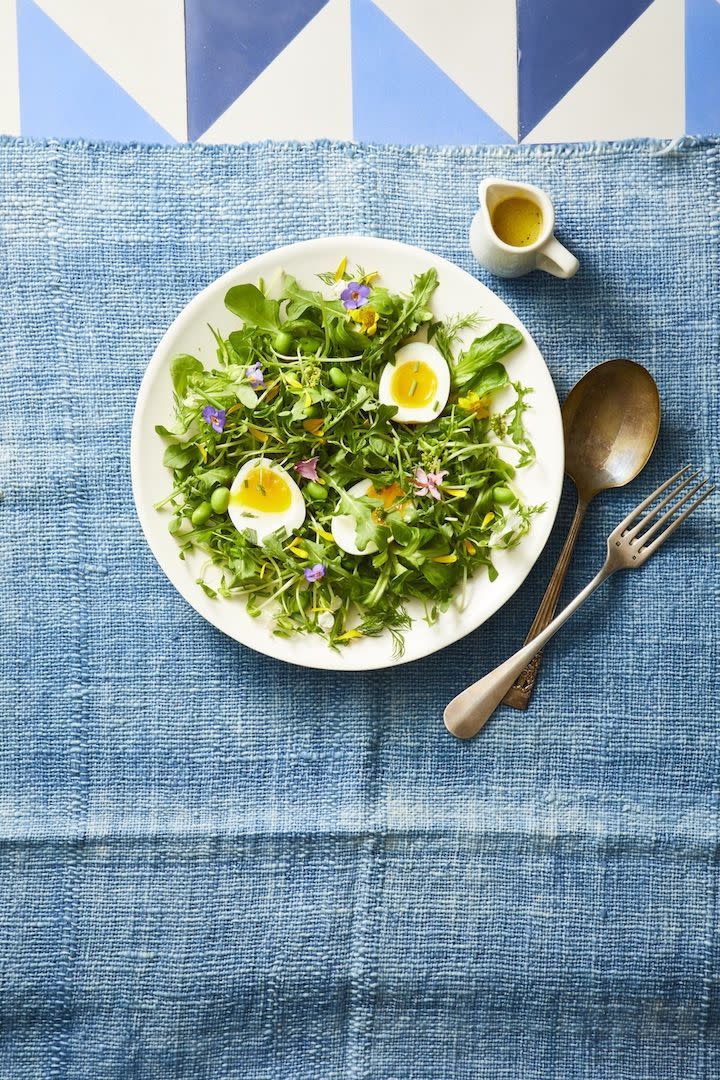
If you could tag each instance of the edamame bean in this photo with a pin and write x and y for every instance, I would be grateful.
(502, 494)
(220, 500)
(201, 513)
(282, 342)
(316, 491)
(338, 377)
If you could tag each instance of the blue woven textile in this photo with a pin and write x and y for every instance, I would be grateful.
(216, 866)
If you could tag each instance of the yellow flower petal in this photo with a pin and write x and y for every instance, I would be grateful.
(445, 558)
(475, 404)
(325, 534)
(341, 269)
(308, 399)
(257, 434)
(263, 568)
(297, 549)
(369, 278)
(203, 452)
(366, 318)
(487, 519)
(314, 426)
(469, 547)
(349, 635)
(292, 381)
(455, 491)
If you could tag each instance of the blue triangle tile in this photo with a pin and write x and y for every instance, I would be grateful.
(228, 43)
(66, 95)
(400, 95)
(702, 67)
(558, 41)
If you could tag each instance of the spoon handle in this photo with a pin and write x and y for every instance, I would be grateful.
(521, 690)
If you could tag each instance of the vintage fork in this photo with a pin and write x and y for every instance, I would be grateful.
(629, 546)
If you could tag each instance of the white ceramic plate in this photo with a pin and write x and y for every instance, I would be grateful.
(397, 263)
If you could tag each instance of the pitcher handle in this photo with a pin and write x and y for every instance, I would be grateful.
(555, 259)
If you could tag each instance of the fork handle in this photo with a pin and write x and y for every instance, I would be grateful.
(521, 690)
(469, 711)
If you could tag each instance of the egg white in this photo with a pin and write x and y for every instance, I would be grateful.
(428, 354)
(344, 526)
(260, 522)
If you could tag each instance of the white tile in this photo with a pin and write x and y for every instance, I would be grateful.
(474, 42)
(636, 88)
(9, 88)
(140, 44)
(305, 93)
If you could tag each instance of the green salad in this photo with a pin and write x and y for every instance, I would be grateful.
(345, 457)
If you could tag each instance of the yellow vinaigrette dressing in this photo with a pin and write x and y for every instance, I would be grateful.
(263, 490)
(517, 221)
(414, 384)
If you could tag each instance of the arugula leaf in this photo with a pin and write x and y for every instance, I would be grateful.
(181, 368)
(499, 341)
(253, 308)
(177, 457)
(488, 381)
(366, 528)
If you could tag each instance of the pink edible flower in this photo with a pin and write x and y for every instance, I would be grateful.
(428, 483)
(307, 468)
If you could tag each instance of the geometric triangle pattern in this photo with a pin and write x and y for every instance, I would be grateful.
(408, 71)
(63, 93)
(472, 43)
(402, 96)
(139, 43)
(229, 44)
(558, 40)
(639, 81)
(304, 93)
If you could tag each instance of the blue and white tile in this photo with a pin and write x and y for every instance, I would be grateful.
(475, 45)
(228, 45)
(305, 92)
(401, 95)
(636, 88)
(66, 94)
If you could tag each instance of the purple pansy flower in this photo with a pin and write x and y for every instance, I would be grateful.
(355, 295)
(214, 417)
(307, 468)
(256, 376)
(427, 483)
(315, 573)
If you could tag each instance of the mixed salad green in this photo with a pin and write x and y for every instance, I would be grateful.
(296, 385)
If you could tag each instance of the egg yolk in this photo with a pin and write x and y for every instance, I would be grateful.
(414, 384)
(262, 489)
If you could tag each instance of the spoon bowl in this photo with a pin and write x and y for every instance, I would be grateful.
(611, 420)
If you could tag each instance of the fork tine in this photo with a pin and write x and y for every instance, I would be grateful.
(646, 502)
(644, 537)
(676, 523)
(630, 533)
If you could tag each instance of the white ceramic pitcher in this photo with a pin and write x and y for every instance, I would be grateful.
(546, 253)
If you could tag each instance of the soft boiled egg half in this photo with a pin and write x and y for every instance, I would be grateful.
(417, 383)
(264, 498)
(344, 526)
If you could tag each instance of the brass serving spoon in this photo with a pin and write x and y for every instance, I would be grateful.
(611, 420)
